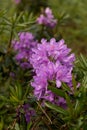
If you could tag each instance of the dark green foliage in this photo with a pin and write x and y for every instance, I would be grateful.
(32, 5)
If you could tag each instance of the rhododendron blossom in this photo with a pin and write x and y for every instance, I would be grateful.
(23, 48)
(47, 18)
(52, 62)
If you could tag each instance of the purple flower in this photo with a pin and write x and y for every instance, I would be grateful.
(23, 47)
(47, 18)
(62, 102)
(52, 62)
(27, 110)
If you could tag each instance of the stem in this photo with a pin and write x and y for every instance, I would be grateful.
(44, 112)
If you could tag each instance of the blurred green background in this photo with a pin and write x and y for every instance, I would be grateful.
(73, 25)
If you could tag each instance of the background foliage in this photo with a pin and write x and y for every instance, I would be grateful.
(74, 30)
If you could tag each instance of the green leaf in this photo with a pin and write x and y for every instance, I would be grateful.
(56, 108)
(29, 125)
(66, 87)
(16, 91)
(14, 99)
(7, 21)
(74, 83)
(12, 90)
(84, 60)
(78, 108)
(70, 106)
(19, 17)
(57, 91)
(82, 63)
(19, 91)
(4, 99)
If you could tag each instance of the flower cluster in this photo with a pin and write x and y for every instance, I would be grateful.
(53, 65)
(47, 18)
(23, 47)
